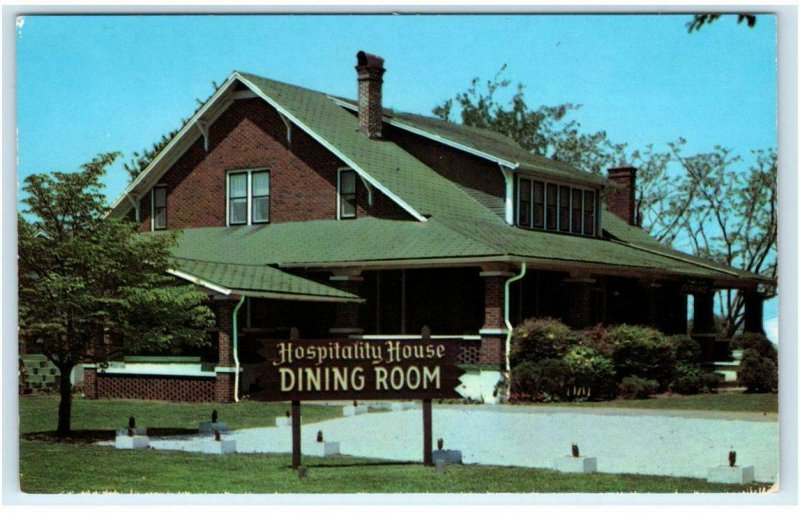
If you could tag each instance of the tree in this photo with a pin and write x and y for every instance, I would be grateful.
(86, 279)
(709, 204)
(707, 19)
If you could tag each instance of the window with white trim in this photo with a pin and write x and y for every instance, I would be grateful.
(346, 197)
(159, 205)
(248, 197)
(555, 207)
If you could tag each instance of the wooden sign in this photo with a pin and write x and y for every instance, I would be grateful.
(302, 370)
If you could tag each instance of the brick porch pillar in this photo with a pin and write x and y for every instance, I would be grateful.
(580, 301)
(703, 330)
(346, 314)
(225, 370)
(493, 332)
(90, 381)
(753, 311)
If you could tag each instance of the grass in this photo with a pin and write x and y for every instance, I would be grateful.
(40, 413)
(74, 468)
(47, 467)
(709, 402)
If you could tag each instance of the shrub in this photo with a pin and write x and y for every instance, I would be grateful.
(547, 380)
(710, 382)
(686, 349)
(757, 373)
(597, 338)
(591, 371)
(642, 351)
(688, 379)
(634, 387)
(540, 339)
(757, 342)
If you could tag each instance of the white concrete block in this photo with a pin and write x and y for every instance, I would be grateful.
(214, 447)
(580, 465)
(132, 442)
(208, 428)
(349, 411)
(448, 456)
(731, 475)
(321, 449)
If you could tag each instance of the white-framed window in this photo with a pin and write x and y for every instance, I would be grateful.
(346, 181)
(552, 206)
(158, 207)
(248, 193)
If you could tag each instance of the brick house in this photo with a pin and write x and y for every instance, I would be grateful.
(343, 219)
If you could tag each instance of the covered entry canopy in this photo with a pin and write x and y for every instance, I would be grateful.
(257, 281)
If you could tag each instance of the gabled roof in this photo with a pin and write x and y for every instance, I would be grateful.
(452, 225)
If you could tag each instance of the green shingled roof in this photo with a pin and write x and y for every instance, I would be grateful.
(259, 281)
(456, 225)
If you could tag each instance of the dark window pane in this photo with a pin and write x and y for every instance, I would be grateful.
(563, 208)
(588, 209)
(261, 209)
(347, 194)
(577, 211)
(160, 221)
(524, 207)
(160, 194)
(238, 210)
(237, 187)
(550, 215)
(261, 183)
(538, 205)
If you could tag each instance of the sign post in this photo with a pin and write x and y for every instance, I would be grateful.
(352, 369)
(427, 434)
(295, 434)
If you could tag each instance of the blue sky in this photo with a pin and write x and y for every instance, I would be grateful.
(90, 84)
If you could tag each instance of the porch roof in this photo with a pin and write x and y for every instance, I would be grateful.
(256, 281)
(372, 241)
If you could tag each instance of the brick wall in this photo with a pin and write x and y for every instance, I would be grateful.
(90, 383)
(250, 134)
(158, 388)
(493, 302)
(622, 201)
(467, 170)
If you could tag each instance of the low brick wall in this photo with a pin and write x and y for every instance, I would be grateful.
(158, 388)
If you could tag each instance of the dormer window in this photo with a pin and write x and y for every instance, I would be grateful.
(248, 197)
(346, 197)
(555, 207)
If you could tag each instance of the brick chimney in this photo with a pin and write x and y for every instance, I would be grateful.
(622, 200)
(370, 83)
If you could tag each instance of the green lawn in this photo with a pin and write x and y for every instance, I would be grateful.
(40, 413)
(710, 402)
(47, 467)
(85, 468)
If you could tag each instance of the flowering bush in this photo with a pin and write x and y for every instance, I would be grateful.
(535, 340)
(547, 380)
(642, 351)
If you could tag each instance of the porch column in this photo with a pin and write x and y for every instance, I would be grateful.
(494, 330)
(653, 316)
(580, 301)
(346, 314)
(753, 311)
(703, 330)
(703, 323)
(224, 382)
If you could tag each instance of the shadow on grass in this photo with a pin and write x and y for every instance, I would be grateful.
(90, 436)
(360, 464)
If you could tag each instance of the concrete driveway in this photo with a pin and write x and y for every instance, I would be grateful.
(624, 441)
